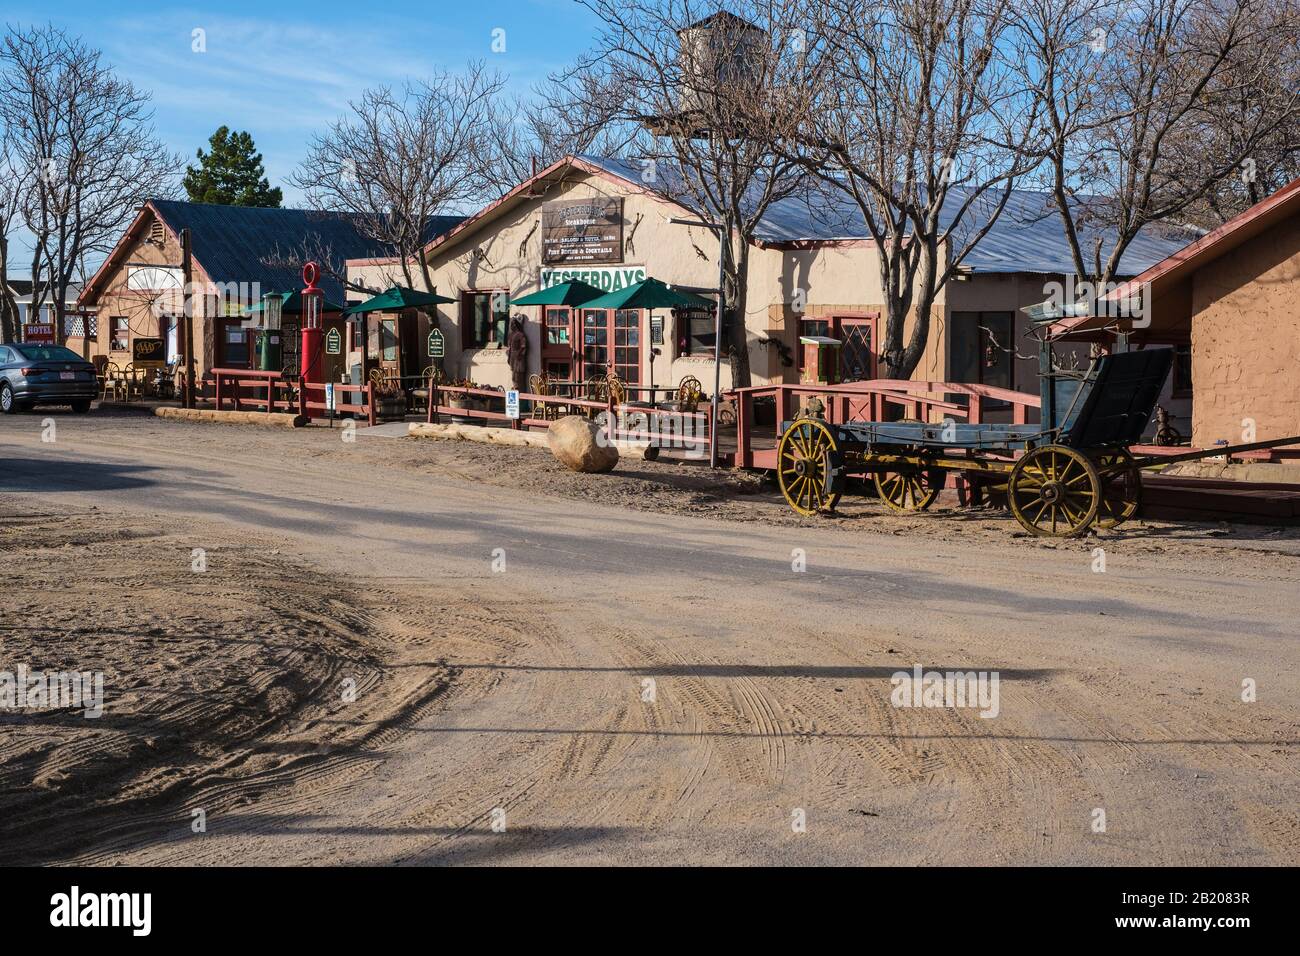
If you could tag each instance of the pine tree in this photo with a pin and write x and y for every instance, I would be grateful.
(231, 174)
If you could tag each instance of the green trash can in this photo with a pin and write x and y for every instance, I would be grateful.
(268, 350)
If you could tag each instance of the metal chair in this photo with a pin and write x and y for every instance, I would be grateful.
(689, 393)
(112, 382)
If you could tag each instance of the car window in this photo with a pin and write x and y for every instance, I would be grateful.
(5, 356)
(48, 353)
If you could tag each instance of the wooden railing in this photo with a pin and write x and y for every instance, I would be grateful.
(665, 428)
(273, 391)
(874, 400)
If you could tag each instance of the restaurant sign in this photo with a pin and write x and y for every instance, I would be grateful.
(437, 344)
(607, 279)
(333, 342)
(582, 230)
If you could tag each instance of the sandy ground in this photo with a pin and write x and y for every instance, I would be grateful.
(618, 669)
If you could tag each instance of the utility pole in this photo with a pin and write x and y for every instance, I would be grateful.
(187, 322)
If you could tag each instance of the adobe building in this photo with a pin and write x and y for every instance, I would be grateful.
(1230, 303)
(238, 254)
(610, 223)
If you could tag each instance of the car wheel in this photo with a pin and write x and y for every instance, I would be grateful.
(8, 404)
(82, 406)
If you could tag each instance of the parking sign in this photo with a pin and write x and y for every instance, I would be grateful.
(512, 403)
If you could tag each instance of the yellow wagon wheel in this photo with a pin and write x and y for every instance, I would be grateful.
(909, 490)
(806, 458)
(1054, 491)
(1121, 488)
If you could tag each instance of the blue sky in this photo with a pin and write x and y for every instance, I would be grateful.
(285, 69)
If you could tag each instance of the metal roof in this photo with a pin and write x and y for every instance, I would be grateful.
(1027, 237)
(232, 243)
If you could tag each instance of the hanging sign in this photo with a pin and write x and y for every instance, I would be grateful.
(333, 342)
(148, 352)
(582, 230)
(512, 403)
(437, 345)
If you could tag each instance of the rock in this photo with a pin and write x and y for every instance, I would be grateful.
(573, 440)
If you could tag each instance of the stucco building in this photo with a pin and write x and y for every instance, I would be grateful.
(811, 272)
(1228, 303)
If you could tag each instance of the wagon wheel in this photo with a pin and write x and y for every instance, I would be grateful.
(806, 457)
(1054, 491)
(1121, 483)
(909, 490)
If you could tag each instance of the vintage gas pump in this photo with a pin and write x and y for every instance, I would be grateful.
(312, 360)
(268, 336)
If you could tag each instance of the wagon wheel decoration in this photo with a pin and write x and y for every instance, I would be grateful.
(1121, 484)
(807, 457)
(909, 490)
(1054, 491)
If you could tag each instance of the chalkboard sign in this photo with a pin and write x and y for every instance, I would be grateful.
(148, 352)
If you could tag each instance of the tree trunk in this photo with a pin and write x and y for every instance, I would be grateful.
(8, 305)
(735, 333)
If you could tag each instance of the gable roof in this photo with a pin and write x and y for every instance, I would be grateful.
(234, 243)
(1027, 237)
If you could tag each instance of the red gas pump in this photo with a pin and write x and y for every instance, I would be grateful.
(312, 358)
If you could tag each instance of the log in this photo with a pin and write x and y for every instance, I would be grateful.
(517, 438)
(272, 420)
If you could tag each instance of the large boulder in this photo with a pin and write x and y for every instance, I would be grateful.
(577, 443)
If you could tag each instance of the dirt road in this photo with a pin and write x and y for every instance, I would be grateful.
(539, 676)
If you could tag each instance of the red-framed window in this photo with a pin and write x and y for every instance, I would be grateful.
(611, 338)
(120, 330)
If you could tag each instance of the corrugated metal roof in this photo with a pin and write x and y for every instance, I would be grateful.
(232, 243)
(1027, 237)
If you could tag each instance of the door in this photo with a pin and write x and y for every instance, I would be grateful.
(390, 350)
(612, 339)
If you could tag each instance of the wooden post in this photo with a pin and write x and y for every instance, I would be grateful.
(370, 403)
(187, 323)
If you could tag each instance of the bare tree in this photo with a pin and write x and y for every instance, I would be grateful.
(914, 113)
(1157, 106)
(400, 159)
(85, 136)
(14, 186)
(706, 80)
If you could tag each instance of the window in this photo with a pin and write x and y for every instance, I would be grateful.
(484, 319)
(120, 329)
(388, 340)
(695, 330)
(627, 345)
(1182, 381)
(557, 326)
(819, 327)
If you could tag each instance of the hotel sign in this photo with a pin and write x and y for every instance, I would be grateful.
(606, 280)
(582, 230)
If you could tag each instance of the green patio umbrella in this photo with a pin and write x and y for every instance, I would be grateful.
(647, 294)
(292, 304)
(564, 293)
(398, 298)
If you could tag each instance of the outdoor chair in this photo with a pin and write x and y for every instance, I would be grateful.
(113, 383)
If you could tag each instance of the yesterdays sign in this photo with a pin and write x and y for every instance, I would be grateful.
(607, 279)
